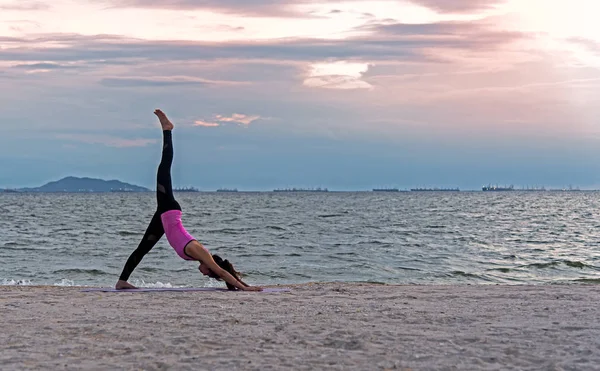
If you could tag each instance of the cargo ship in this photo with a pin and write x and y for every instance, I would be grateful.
(491, 188)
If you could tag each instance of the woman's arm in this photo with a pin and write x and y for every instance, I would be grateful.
(227, 277)
(197, 251)
(243, 283)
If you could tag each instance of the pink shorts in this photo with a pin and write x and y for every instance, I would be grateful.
(177, 236)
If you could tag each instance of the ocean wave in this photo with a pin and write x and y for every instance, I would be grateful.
(10, 282)
(588, 280)
(151, 269)
(231, 230)
(404, 268)
(65, 283)
(465, 274)
(62, 283)
(92, 233)
(556, 263)
(341, 253)
(372, 282)
(263, 255)
(576, 264)
(15, 248)
(275, 228)
(142, 283)
(365, 242)
(128, 233)
(502, 269)
(93, 272)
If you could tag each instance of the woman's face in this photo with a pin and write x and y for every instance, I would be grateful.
(204, 270)
(207, 272)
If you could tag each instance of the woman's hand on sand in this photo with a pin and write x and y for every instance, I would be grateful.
(252, 288)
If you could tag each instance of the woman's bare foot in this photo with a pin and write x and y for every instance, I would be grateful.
(124, 285)
(164, 121)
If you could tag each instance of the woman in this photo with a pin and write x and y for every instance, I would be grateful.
(167, 220)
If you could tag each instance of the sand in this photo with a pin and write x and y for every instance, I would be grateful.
(331, 326)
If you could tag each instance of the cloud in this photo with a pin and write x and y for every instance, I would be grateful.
(254, 8)
(342, 82)
(44, 67)
(460, 35)
(278, 8)
(160, 81)
(459, 6)
(222, 27)
(25, 5)
(383, 42)
(107, 140)
(338, 75)
(591, 45)
(205, 124)
(236, 118)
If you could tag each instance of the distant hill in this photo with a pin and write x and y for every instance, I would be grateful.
(74, 184)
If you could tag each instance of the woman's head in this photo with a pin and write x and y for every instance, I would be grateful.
(225, 265)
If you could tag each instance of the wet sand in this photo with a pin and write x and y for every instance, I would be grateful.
(334, 326)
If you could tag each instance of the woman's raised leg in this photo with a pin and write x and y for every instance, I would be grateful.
(164, 187)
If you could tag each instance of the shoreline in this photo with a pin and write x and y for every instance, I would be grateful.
(336, 325)
(307, 285)
(400, 191)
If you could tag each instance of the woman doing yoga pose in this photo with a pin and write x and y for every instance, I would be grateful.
(167, 220)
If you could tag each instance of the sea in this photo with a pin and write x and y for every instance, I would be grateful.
(429, 238)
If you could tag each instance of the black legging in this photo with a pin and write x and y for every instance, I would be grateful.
(165, 201)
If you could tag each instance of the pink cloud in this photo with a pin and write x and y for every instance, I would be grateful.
(162, 81)
(205, 124)
(32, 5)
(238, 118)
(252, 8)
(107, 140)
(459, 6)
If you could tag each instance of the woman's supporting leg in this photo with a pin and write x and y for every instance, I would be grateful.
(153, 233)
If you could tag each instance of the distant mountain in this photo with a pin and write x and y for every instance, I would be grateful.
(74, 184)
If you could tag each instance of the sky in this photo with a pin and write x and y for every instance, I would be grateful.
(348, 95)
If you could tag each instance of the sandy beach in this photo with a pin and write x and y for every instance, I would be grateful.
(333, 326)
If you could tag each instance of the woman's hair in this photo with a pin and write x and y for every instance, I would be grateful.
(226, 265)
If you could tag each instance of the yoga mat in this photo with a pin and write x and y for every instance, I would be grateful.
(155, 289)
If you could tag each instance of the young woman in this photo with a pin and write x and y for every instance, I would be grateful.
(167, 220)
